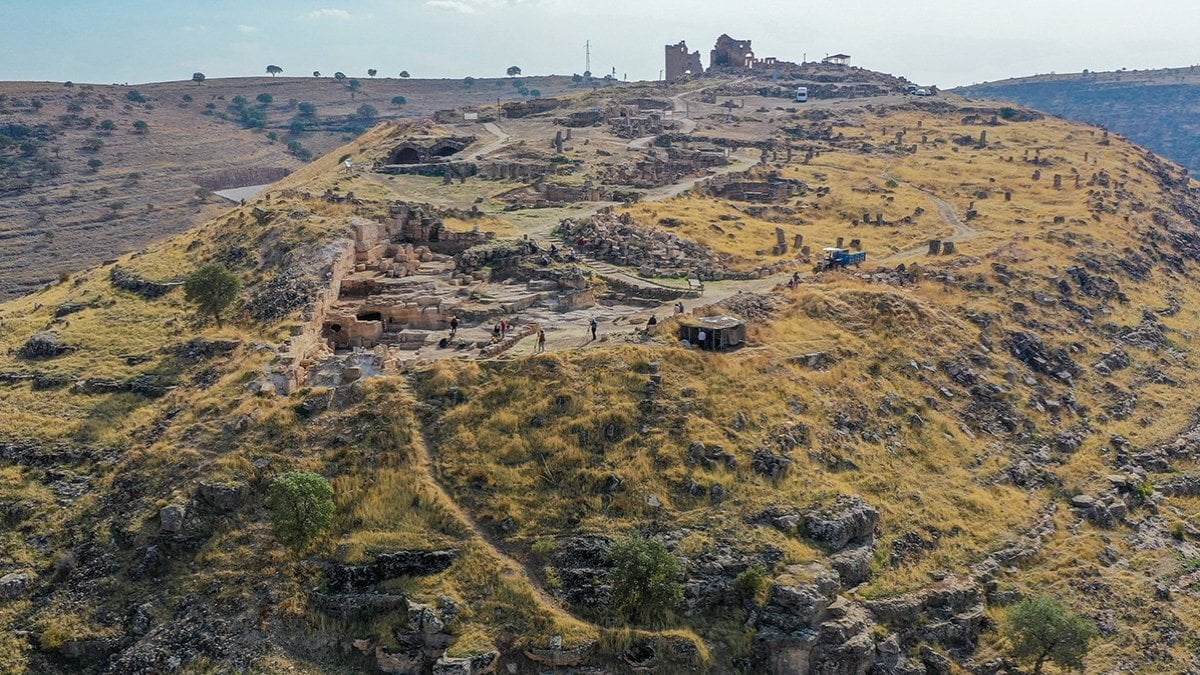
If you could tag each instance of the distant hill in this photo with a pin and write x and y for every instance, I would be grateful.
(82, 180)
(1159, 109)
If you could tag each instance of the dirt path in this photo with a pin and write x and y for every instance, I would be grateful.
(425, 466)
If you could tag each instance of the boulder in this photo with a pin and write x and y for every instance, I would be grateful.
(853, 564)
(43, 345)
(848, 519)
(223, 496)
(472, 665)
(171, 518)
(13, 584)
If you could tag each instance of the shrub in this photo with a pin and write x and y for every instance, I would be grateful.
(399, 100)
(1042, 629)
(645, 580)
(265, 99)
(750, 583)
(301, 506)
(213, 288)
(135, 96)
(141, 127)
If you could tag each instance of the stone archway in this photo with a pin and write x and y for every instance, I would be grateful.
(406, 155)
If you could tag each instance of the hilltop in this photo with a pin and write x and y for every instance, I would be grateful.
(997, 404)
(61, 214)
(1154, 108)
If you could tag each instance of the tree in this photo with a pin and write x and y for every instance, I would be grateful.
(404, 74)
(536, 93)
(367, 112)
(274, 70)
(141, 127)
(198, 77)
(645, 579)
(213, 288)
(371, 72)
(94, 164)
(513, 71)
(354, 86)
(1042, 629)
(307, 108)
(36, 103)
(316, 73)
(399, 100)
(106, 125)
(135, 96)
(265, 99)
(301, 506)
(469, 81)
(339, 76)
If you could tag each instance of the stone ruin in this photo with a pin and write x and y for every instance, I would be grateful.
(681, 63)
(752, 186)
(427, 151)
(630, 120)
(657, 170)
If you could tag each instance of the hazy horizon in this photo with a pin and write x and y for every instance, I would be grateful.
(944, 43)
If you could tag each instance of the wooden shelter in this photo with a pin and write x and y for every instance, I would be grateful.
(720, 332)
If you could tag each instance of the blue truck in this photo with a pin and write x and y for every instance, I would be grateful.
(837, 258)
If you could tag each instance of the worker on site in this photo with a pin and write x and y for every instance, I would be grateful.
(453, 326)
(593, 325)
(541, 341)
(701, 337)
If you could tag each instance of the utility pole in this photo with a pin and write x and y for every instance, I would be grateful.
(587, 68)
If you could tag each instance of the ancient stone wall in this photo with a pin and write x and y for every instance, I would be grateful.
(681, 63)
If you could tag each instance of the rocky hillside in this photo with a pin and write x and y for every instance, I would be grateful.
(89, 171)
(898, 454)
(1155, 108)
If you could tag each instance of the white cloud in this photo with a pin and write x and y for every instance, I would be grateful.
(243, 28)
(452, 5)
(328, 13)
(475, 6)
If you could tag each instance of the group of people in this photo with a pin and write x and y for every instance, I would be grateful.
(501, 331)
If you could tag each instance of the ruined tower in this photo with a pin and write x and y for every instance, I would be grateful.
(681, 63)
(731, 54)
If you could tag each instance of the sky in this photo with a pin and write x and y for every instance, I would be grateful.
(934, 42)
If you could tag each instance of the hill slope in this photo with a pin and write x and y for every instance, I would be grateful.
(898, 453)
(1155, 108)
(59, 214)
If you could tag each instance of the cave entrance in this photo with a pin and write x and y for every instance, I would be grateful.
(446, 151)
(406, 155)
(370, 316)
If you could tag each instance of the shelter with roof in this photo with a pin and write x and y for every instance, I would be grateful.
(720, 332)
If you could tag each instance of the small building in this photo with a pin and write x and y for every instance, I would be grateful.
(720, 332)
(837, 60)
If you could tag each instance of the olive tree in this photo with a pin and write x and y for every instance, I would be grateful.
(274, 70)
(198, 77)
(301, 507)
(212, 288)
(1042, 629)
(513, 71)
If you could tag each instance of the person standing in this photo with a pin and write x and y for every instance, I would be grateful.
(593, 325)
(541, 341)
(701, 338)
(453, 326)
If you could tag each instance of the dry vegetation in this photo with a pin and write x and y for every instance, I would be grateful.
(502, 458)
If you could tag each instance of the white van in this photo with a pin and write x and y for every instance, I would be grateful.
(802, 95)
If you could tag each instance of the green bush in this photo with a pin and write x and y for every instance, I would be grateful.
(750, 583)
(645, 580)
(1042, 629)
(301, 506)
